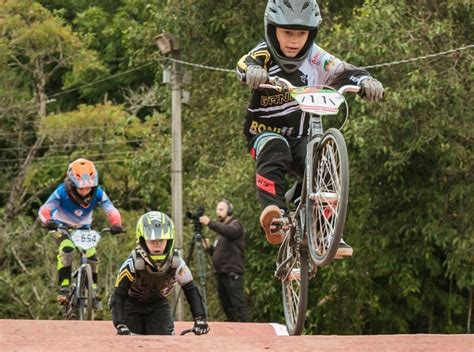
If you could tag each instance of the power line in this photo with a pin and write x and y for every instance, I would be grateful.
(200, 65)
(421, 57)
(66, 163)
(206, 67)
(216, 69)
(371, 66)
(102, 80)
(62, 146)
(90, 156)
(75, 129)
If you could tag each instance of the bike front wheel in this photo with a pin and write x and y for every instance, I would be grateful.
(85, 293)
(327, 197)
(293, 274)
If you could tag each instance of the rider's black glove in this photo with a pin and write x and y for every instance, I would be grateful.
(116, 229)
(255, 76)
(123, 329)
(51, 225)
(371, 89)
(200, 326)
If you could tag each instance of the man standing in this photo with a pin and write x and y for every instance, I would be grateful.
(228, 260)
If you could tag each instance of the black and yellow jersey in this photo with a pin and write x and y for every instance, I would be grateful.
(139, 284)
(277, 112)
(146, 283)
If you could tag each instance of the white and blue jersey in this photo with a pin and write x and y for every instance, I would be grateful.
(62, 209)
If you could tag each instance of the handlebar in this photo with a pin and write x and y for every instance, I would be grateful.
(184, 332)
(68, 229)
(280, 84)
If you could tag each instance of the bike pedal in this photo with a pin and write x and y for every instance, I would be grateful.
(275, 228)
(63, 301)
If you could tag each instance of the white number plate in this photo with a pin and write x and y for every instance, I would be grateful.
(85, 239)
(318, 101)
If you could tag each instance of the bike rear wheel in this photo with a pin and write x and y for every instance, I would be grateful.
(85, 293)
(327, 197)
(293, 262)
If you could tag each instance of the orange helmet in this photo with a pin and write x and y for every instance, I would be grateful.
(82, 174)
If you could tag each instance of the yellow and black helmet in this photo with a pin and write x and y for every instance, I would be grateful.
(155, 225)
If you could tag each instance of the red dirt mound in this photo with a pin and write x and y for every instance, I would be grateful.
(54, 335)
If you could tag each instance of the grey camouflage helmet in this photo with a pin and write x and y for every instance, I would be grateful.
(291, 14)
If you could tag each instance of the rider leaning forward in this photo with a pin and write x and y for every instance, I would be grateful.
(139, 302)
(276, 128)
(71, 205)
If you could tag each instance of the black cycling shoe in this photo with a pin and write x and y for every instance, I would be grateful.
(63, 295)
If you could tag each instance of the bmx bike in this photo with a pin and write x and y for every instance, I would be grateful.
(314, 225)
(82, 293)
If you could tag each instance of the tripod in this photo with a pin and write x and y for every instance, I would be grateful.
(196, 242)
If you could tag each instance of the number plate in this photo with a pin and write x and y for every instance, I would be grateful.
(318, 101)
(85, 239)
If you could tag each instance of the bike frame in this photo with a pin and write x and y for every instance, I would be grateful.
(316, 132)
(315, 135)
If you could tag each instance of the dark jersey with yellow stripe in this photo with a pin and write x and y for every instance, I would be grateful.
(139, 282)
(146, 283)
(277, 112)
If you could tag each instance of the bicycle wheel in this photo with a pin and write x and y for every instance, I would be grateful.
(293, 260)
(85, 293)
(327, 197)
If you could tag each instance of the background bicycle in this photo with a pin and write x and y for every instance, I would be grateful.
(80, 304)
(316, 219)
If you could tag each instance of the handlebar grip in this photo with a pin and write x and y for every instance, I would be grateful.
(271, 86)
(349, 89)
(184, 332)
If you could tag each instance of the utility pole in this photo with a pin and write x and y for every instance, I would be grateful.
(168, 46)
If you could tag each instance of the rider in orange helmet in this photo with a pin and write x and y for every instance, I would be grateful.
(71, 205)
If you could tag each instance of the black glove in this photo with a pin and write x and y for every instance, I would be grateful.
(200, 326)
(123, 329)
(116, 229)
(255, 76)
(372, 89)
(51, 225)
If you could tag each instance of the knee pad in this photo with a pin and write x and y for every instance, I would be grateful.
(270, 142)
(67, 256)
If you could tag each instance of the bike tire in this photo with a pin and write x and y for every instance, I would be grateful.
(327, 197)
(85, 293)
(295, 286)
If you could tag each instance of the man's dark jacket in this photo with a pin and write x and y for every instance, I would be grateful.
(228, 253)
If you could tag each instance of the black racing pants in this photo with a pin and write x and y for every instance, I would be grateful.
(274, 160)
(230, 287)
(149, 318)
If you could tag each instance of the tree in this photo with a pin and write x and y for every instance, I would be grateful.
(37, 47)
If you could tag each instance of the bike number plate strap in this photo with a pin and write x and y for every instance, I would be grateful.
(318, 101)
(85, 239)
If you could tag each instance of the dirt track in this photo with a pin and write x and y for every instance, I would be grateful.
(53, 335)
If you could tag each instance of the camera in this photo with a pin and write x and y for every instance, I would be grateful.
(194, 217)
